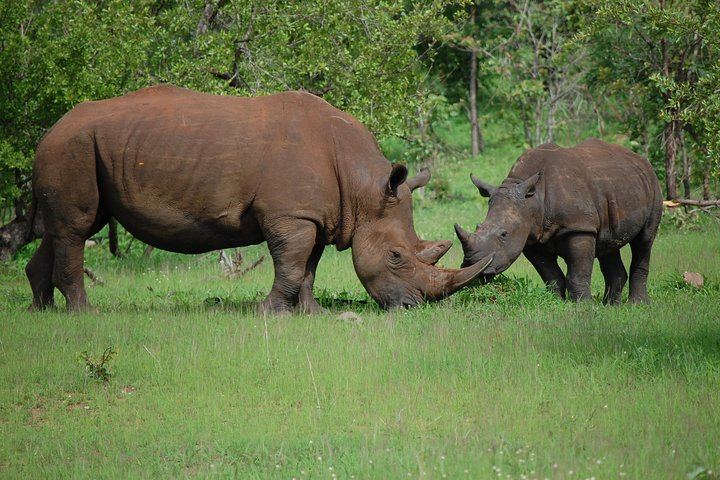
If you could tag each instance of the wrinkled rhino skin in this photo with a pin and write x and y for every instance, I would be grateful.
(191, 172)
(576, 203)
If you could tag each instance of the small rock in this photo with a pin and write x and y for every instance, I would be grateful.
(694, 279)
(351, 317)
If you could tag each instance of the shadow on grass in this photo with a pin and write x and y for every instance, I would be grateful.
(179, 302)
(678, 333)
(648, 341)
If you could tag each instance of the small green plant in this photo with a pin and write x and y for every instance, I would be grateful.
(98, 368)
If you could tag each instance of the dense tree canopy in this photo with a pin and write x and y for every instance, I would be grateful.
(359, 54)
(648, 67)
(662, 58)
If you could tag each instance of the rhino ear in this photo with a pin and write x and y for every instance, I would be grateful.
(485, 189)
(419, 180)
(397, 177)
(527, 188)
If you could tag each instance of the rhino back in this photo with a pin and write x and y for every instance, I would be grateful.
(594, 187)
(183, 168)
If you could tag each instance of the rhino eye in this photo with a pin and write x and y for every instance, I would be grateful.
(503, 234)
(395, 256)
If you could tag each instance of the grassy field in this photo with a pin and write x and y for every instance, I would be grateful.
(499, 381)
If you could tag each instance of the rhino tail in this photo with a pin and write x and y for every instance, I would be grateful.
(30, 233)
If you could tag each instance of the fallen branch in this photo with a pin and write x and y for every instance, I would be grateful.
(96, 280)
(678, 202)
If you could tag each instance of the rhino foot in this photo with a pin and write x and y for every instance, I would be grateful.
(311, 308)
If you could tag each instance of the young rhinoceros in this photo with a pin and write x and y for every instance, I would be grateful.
(191, 172)
(576, 203)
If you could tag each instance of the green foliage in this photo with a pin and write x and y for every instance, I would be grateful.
(683, 219)
(663, 59)
(98, 368)
(365, 56)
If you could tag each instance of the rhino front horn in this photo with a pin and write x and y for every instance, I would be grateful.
(452, 280)
(462, 235)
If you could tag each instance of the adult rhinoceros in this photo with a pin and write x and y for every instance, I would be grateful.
(576, 203)
(191, 172)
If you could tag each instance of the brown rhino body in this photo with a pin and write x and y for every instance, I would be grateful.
(191, 172)
(579, 204)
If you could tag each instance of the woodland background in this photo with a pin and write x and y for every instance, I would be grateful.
(647, 70)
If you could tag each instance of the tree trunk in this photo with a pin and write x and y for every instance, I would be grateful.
(526, 126)
(670, 141)
(20, 231)
(13, 237)
(552, 110)
(706, 182)
(687, 166)
(474, 126)
(478, 143)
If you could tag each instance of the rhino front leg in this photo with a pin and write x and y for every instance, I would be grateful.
(291, 245)
(615, 276)
(579, 254)
(307, 302)
(546, 265)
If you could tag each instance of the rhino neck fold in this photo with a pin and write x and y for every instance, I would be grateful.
(359, 168)
(349, 212)
(536, 213)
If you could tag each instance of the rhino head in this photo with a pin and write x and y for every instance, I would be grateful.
(393, 264)
(504, 233)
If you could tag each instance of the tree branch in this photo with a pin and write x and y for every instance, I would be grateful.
(208, 17)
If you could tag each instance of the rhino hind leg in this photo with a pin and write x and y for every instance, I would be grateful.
(613, 271)
(579, 254)
(68, 271)
(59, 262)
(291, 247)
(640, 268)
(39, 272)
(546, 265)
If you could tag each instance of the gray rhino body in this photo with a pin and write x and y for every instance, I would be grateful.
(579, 204)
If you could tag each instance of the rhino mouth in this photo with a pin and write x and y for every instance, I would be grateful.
(409, 300)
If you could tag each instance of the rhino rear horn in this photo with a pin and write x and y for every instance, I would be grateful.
(527, 187)
(432, 251)
(419, 180)
(485, 189)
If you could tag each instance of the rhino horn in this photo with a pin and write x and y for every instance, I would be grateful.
(463, 235)
(447, 281)
(432, 251)
(419, 180)
(485, 189)
(527, 188)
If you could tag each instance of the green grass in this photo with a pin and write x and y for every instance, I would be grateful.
(499, 381)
